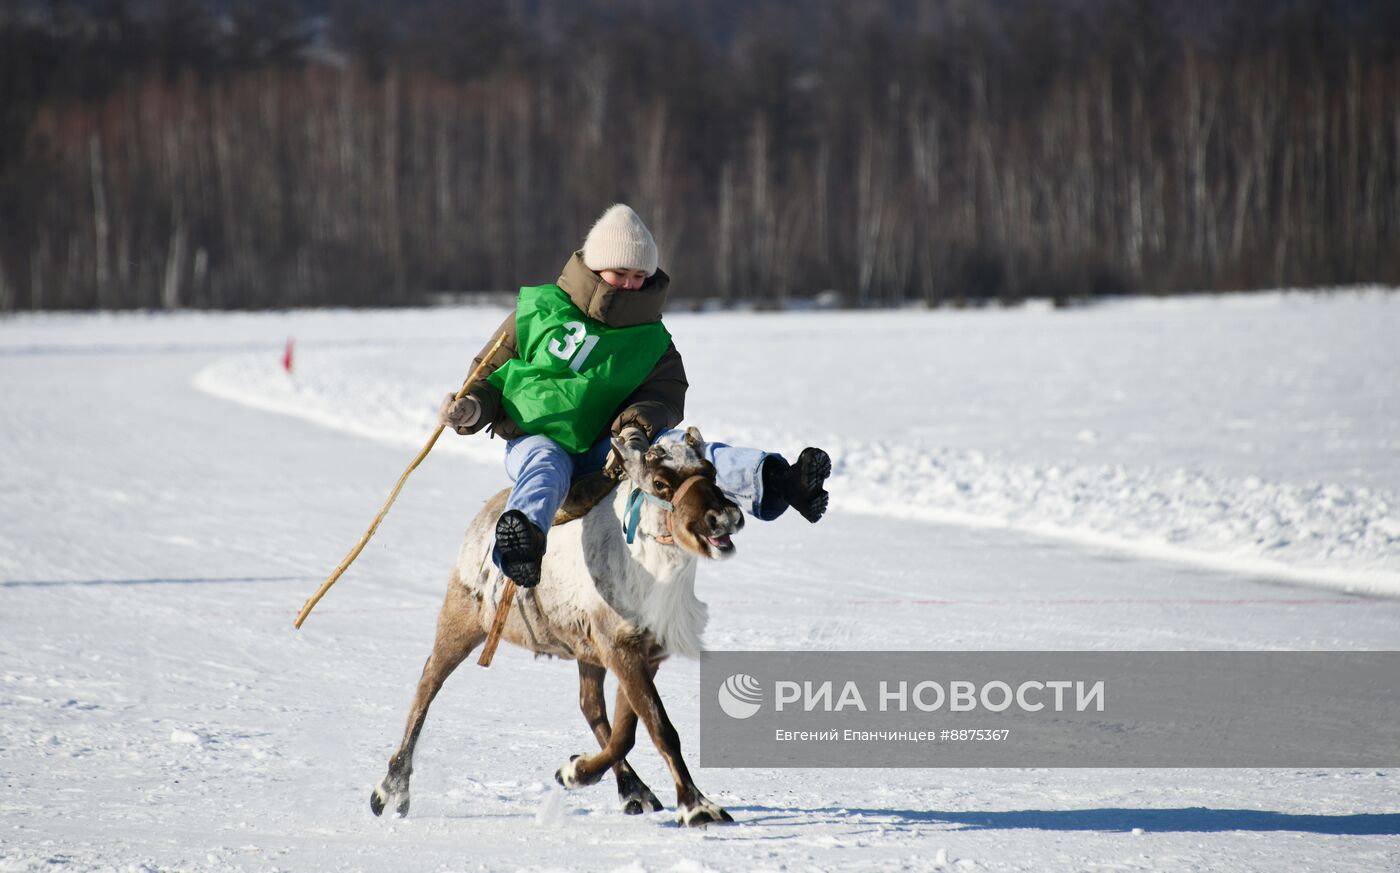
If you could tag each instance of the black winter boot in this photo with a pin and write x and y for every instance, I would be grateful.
(800, 484)
(520, 546)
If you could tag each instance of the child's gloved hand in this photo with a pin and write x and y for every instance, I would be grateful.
(459, 415)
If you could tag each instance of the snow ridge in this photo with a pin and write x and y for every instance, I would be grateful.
(1315, 533)
(1321, 533)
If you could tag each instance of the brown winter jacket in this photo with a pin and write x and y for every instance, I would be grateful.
(657, 404)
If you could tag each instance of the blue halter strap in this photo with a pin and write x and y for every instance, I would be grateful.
(632, 517)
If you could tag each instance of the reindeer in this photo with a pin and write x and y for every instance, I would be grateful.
(611, 600)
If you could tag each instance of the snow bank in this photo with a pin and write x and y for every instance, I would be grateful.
(347, 391)
(1262, 505)
(1326, 534)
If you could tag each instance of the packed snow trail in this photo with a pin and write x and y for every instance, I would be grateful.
(157, 711)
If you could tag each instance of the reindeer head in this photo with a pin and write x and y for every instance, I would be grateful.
(676, 474)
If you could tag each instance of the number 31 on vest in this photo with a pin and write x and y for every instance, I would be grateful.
(565, 351)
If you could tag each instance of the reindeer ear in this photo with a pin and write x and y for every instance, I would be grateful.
(625, 452)
(693, 438)
(624, 460)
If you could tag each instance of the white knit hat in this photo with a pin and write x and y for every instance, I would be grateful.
(619, 241)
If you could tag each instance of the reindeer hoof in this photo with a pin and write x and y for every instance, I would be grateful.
(381, 797)
(640, 801)
(702, 812)
(569, 777)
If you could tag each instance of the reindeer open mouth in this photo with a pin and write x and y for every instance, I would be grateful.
(718, 524)
(708, 518)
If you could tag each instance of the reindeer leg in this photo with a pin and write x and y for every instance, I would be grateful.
(635, 672)
(588, 769)
(636, 796)
(459, 631)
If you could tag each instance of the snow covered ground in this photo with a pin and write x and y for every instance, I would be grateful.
(1182, 474)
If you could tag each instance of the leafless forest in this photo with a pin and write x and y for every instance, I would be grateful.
(190, 153)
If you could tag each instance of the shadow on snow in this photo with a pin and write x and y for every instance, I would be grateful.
(1194, 819)
(225, 580)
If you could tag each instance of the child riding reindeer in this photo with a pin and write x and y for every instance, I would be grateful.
(586, 358)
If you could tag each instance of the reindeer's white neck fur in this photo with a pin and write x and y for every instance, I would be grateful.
(589, 566)
(658, 586)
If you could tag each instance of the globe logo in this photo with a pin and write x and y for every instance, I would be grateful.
(740, 696)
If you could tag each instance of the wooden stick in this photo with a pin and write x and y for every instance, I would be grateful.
(359, 547)
(498, 624)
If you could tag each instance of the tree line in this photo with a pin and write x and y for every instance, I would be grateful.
(270, 153)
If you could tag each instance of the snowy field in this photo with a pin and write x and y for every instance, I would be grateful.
(1182, 474)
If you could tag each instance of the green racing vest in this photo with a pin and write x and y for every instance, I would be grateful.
(570, 372)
